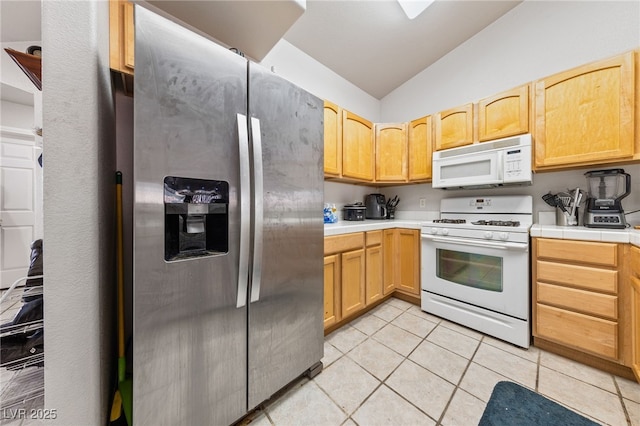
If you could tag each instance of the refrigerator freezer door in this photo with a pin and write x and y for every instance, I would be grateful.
(285, 320)
(189, 344)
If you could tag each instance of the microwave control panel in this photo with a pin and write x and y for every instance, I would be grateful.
(517, 164)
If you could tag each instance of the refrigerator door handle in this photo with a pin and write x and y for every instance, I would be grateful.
(258, 194)
(245, 210)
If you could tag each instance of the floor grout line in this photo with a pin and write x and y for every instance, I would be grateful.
(371, 332)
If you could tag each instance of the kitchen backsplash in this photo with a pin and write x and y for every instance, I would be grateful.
(409, 207)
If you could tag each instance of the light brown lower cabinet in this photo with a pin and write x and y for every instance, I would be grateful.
(634, 278)
(389, 276)
(331, 290)
(353, 279)
(344, 277)
(362, 268)
(402, 261)
(374, 267)
(583, 303)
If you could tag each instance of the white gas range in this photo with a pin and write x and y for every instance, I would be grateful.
(475, 265)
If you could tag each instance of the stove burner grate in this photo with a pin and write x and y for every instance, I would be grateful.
(449, 221)
(497, 222)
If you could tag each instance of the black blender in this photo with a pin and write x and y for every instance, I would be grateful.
(606, 189)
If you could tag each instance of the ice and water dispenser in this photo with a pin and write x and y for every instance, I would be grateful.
(196, 221)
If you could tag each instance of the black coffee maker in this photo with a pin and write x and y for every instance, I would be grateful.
(606, 189)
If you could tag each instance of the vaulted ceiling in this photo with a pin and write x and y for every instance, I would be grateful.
(370, 43)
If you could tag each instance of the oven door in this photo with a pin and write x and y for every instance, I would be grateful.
(489, 274)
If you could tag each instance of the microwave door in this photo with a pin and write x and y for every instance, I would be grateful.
(472, 170)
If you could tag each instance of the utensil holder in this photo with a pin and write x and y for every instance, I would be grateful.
(565, 219)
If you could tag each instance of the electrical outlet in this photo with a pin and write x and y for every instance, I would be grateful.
(423, 202)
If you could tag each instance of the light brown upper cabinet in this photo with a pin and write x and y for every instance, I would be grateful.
(332, 139)
(585, 116)
(391, 152)
(503, 115)
(122, 41)
(420, 149)
(357, 148)
(453, 127)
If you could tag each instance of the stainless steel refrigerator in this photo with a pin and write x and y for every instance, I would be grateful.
(228, 230)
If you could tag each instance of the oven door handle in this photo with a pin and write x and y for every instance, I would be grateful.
(501, 246)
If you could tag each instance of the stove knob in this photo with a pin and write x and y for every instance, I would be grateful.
(445, 232)
(434, 230)
(488, 235)
(503, 236)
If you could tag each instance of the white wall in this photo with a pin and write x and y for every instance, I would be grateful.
(296, 66)
(533, 40)
(79, 222)
(16, 115)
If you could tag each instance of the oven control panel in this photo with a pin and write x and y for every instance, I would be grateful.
(430, 232)
(480, 203)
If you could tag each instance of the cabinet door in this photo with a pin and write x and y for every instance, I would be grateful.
(331, 289)
(332, 139)
(635, 311)
(121, 36)
(389, 254)
(586, 115)
(505, 114)
(353, 285)
(374, 278)
(420, 149)
(357, 147)
(453, 127)
(391, 152)
(408, 261)
(635, 325)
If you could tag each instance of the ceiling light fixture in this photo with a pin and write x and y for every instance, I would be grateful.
(413, 8)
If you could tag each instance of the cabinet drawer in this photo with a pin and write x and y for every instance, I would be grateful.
(605, 254)
(587, 302)
(374, 238)
(340, 243)
(584, 332)
(579, 276)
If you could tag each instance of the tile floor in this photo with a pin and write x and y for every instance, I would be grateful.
(398, 365)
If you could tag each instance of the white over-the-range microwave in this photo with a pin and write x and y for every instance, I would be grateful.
(491, 164)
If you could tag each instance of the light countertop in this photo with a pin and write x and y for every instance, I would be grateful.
(628, 235)
(346, 227)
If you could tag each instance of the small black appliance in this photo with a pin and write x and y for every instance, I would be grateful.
(376, 206)
(353, 211)
(606, 189)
